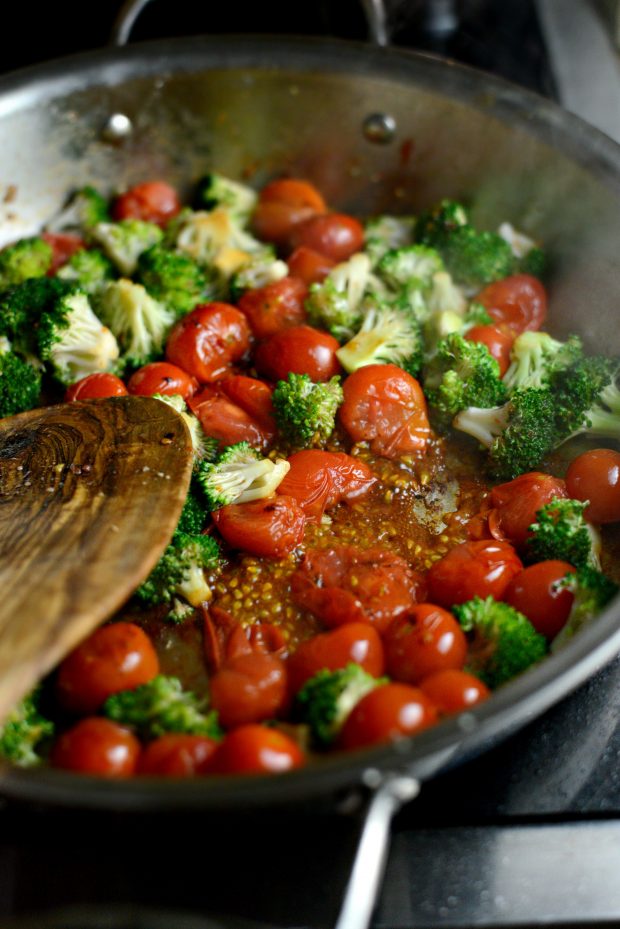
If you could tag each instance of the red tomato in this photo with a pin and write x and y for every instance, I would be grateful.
(514, 504)
(207, 340)
(282, 205)
(64, 245)
(354, 642)
(96, 387)
(534, 593)
(272, 527)
(253, 396)
(498, 340)
(116, 657)
(176, 754)
(454, 691)
(226, 421)
(97, 746)
(335, 235)
(310, 266)
(275, 306)
(425, 640)
(519, 302)
(595, 476)
(343, 584)
(295, 191)
(249, 689)
(255, 749)
(473, 569)
(160, 377)
(153, 202)
(387, 713)
(300, 349)
(385, 406)
(319, 480)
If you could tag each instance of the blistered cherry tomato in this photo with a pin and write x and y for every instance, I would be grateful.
(251, 395)
(249, 689)
(293, 190)
(153, 202)
(227, 421)
(64, 245)
(497, 339)
(387, 713)
(595, 476)
(96, 387)
(453, 691)
(116, 657)
(207, 340)
(335, 235)
(319, 480)
(300, 349)
(385, 406)
(177, 754)
(473, 569)
(519, 302)
(535, 593)
(161, 377)
(426, 639)
(354, 642)
(271, 527)
(516, 503)
(274, 307)
(282, 205)
(310, 266)
(97, 746)
(255, 749)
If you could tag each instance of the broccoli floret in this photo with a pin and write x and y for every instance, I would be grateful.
(335, 304)
(534, 263)
(74, 341)
(325, 701)
(173, 279)
(535, 356)
(445, 297)
(194, 513)
(588, 399)
(504, 643)
(216, 239)
(90, 270)
(22, 307)
(214, 190)
(25, 259)
(386, 233)
(476, 315)
(306, 412)
(180, 571)
(475, 258)
(20, 382)
(85, 209)
(205, 447)
(388, 335)
(125, 241)
(411, 268)
(240, 475)
(161, 705)
(434, 226)
(528, 257)
(592, 592)
(561, 532)
(139, 323)
(462, 374)
(23, 731)
(261, 269)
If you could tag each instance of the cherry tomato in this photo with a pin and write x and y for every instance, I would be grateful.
(300, 349)
(425, 640)
(255, 749)
(310, 266)
(319, 480)
(295, 191)
(515, 504)
(96, 387)
(177, 754)
(208, 339)
(253, 396)
(274, 307)
(385, 406)
(153, 202)
(387, 713)
(453, 691)
(519, 302)
(335, 235)
(498, 340)
(272, 527)
(160, 377)
(282, 205)
(226, 421)
(354, 642)
(64, 245)
(473, 569)
(595, 476)
(344, 584)
(534, 592)
(249, 689)
(97, 746)
(116, 657)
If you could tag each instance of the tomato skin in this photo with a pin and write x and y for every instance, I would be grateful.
(516, 503)
(96, 387)
(293, 190)
(97, 746)
(161, 377)
(453, 691)
(385, 406)
(152, 201)
(177, 754)
(425, 640)
(207, 340)
(533, 593)
(387, 713)
(473, 569)
(249, 689)
(255, 749)
(498, 340)
(282, 205)
(359, 643)
(300, 349)
(226, 421)
(335, 235)
(272, 527)
(310, 266)
(116, 657)
(319, 480)
(519, 301)
(275, 306)
(64, 245)
(595, 476)
(253, 396)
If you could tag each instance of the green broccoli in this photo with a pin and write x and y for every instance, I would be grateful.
(433, 227)
(194, 513)
(20, 382)
(22, 307)
(174, 279)
(180, 571)
(23, 732)
(305, 412)
(528, 257)
(588, 399)
(161, 706)
(462, 374)
(335, 304)
(90, 270)
(476, 315)
(139, 323)
(325, 701)
(125, 241)
(86, 209)
(26, 259)
(261, 269)
(592, 592)
(410, 268)
(388, 335)
(535, 356)
(562, 533)
(474, 258)
(386, 233)
(205, 447)
(445, 297)
(240, 475)
(214, 190)
(535, 262)
(503, 642)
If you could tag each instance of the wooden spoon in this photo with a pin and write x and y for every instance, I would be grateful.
(90, 494)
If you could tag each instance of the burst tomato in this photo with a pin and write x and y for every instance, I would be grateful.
(206, 341)
(274, 307)
(359, 643)
(319, 480)
(519, 302)
(473, 569)
(272, 527)
(513, 505)
(226, 421)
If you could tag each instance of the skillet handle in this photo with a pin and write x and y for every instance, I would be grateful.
(374, 11)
